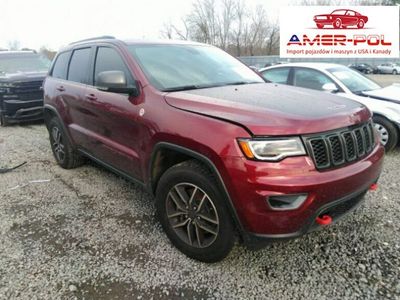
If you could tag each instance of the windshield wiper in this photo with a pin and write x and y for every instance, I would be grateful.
(204, 86)
(182, 88)
(241, 82)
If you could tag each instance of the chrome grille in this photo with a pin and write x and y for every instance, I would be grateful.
(339, 147)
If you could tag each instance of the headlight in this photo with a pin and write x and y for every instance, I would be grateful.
(272, 149)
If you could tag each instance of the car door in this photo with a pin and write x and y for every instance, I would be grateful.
(350, 18)
(114, 121)
(73, 96)
(386, 68)
(310, 78)
(277, 75)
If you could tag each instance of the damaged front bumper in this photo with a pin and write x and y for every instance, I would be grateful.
(14, 111)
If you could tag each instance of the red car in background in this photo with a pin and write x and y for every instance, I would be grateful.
(341, 18)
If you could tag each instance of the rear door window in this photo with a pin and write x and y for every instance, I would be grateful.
(79, 65)
(61, 65)
(277, 75)
(309, 78)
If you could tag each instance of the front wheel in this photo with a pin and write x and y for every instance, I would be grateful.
(387, 132)
(337, 24)
(320, 26)
(193, 214)
(394, 72)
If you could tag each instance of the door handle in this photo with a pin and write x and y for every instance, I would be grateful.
(91, 97)
(60, 88)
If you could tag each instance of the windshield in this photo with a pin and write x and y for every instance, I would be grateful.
(23, 63)
(338, 12)
(353, 80)
(180, 67)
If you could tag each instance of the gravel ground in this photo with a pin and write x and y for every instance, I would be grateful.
(88, 234)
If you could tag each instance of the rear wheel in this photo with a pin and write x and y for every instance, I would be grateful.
(360, 23)
(62, 149)
(387, 132)
(193, 214)
(394, 72)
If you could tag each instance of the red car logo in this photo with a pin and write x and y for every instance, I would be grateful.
(341, 19)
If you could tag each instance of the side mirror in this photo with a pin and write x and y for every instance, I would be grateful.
(115, 82)
(330, 87)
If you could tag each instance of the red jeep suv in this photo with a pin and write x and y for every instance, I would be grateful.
(226, 154)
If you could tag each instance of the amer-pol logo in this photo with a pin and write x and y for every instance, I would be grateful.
(323, 31)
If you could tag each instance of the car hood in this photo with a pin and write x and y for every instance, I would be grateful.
(390, 93)
(272, 109)
(22, 76)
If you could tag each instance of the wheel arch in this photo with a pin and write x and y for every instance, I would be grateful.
(50, 112)
(395, 124)
(184, 154)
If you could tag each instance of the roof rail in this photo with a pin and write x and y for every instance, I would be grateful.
(103, 37)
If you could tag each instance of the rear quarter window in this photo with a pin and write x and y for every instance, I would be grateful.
(61, 66)
(277, 75)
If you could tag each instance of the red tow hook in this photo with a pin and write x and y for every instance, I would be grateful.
(324, 220)
(373, 187)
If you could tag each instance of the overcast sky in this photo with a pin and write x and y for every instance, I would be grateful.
(54, 23)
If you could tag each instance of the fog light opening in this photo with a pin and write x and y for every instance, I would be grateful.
(286, 202)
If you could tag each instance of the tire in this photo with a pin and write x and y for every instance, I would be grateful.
(62, 149)
(337, 24)
(320, 26)
(394, 72)
(3, 121)
(360, 24)
(387, 131)
(190, 180)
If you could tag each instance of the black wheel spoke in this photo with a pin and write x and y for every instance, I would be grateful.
(189, 232)
(182, 195)
(205, 228)
(176, 201)
(177, 214)
(181, 224)
(205, 218)
(192, 196)
(196, 228)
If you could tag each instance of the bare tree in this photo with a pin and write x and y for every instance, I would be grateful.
(239, 28)
(170, 31)
(47, 52)
(14, 45)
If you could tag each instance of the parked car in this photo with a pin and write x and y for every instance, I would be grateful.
(341, 80)
(21, 78)
(390, 68)
(225, 153)
(341, 18)
(364, 68)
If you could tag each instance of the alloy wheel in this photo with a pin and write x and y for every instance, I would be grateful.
(192, 215)
(58, 145)
(383, 133)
